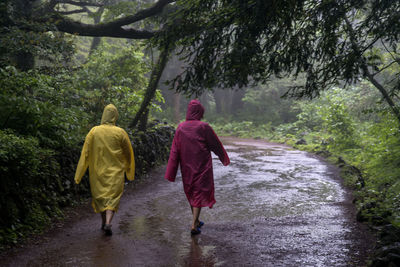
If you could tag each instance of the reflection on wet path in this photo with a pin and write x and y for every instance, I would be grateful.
(275, 207)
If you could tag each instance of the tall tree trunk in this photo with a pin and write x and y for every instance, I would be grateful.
(152, 87)
(143, 120)
(96, 40)
(237, 100)
(24, 60)
(227, 101)
(95, 44)
(218, 97)
(223, 101)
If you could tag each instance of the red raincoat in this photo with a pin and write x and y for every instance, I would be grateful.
(191, 149)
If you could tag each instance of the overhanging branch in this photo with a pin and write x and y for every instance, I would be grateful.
(76, 11)
(78, 3)
(110, 29)
(67, 25)
(142, 14)
(383, 68)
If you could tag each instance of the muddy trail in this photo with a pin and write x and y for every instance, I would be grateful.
(275, 207)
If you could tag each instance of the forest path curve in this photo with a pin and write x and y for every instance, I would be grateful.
(275, 207)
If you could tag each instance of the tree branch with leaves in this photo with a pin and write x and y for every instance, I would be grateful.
(119, 28)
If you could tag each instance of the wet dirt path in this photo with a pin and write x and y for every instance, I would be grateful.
(275, 207)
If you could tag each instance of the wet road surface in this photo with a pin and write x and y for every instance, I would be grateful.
(275, 207)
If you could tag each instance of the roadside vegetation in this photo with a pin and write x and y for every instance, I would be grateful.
(347, 130)
(352, 129)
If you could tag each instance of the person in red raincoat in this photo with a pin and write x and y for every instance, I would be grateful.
(191, 149)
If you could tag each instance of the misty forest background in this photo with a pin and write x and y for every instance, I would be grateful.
(322, 76)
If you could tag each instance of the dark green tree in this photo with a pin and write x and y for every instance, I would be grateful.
(24, 42)
(138, 29)
(239, 42)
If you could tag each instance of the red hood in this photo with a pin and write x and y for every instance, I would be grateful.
(195, 110)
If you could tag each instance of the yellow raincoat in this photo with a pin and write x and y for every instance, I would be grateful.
(108, 153)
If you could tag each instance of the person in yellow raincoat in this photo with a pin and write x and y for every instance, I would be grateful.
(108, 154)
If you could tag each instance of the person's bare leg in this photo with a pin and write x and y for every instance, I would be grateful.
(107, 226)
(196, 215)
(197, 223)
(109, 216)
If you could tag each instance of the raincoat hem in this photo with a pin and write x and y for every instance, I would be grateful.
(170, 179)
(103, 209)
(203, 206)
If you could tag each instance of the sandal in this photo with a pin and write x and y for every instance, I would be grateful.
(200, 224)
(107, 229)
(195, 231)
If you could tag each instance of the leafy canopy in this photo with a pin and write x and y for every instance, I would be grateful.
(236, 42)
(114, 74)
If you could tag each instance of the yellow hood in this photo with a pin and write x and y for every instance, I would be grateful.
(110, 115)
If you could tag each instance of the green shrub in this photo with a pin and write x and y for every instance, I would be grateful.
(151, 147)
(41, 106)
(116, 75)
(245, 129)
(27, 173)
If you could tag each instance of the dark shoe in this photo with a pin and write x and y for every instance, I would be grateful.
(102, 227)
(195, 231)
(200, 224)
(107, 229)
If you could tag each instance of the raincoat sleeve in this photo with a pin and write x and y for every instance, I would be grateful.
(129, 157)
(173, 161)
(215, 145)
(83, 163)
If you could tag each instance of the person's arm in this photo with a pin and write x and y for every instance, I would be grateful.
(215, 145)
(129, 157)
(83, 163)
(173, 161)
